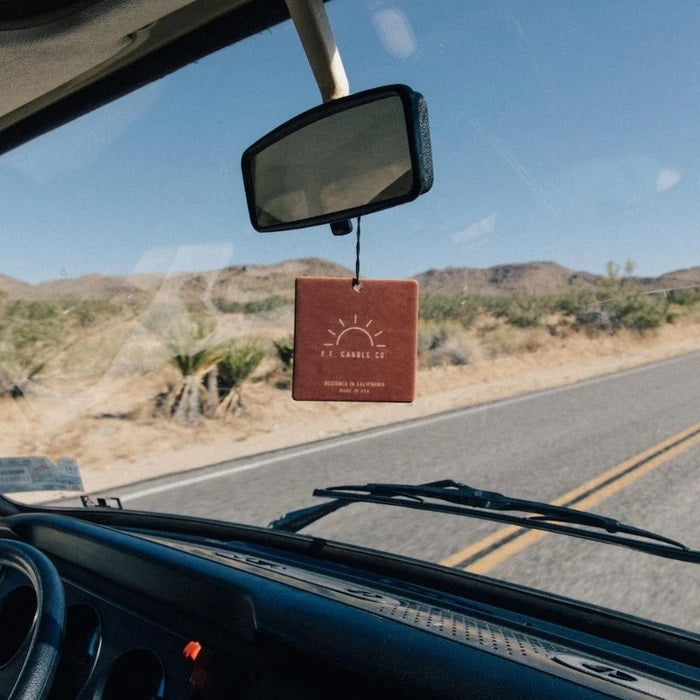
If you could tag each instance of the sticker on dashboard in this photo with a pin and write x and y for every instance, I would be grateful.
(19, 474)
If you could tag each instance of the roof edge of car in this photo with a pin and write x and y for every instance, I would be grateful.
(168, 50)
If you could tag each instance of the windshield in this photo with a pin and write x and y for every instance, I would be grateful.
(146, 329)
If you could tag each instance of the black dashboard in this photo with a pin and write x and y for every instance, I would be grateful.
(155, 615)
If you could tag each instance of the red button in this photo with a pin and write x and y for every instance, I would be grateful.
(192, 650)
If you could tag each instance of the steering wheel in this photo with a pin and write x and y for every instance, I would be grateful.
(35, 678)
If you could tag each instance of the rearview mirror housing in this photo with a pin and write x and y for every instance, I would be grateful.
(346, 158)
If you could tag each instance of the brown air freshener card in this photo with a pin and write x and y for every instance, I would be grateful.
(355, 344)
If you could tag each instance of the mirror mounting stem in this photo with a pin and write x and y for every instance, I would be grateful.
(316, 36)
(341, 228)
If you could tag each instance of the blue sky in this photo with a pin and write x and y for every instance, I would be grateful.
(561, 131)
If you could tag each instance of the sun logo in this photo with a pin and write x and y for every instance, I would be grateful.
(356, 330)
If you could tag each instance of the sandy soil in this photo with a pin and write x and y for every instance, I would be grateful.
(115, 440)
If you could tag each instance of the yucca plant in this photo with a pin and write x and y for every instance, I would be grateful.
(195, 352)
(236, 364)
(17, 374)
(285, 351)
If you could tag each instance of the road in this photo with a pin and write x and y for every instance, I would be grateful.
(544, 446)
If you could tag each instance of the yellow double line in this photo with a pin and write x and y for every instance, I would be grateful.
(484, 555)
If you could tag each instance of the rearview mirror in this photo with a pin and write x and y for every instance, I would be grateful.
(346, 158)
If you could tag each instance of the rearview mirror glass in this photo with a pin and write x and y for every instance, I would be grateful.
(348, 157)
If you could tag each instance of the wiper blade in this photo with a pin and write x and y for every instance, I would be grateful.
(488, 505)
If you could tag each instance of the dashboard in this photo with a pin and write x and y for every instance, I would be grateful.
(155, 615)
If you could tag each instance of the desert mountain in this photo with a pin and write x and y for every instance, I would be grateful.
(12, 287)
(536, 278)
(243, 283)
(533, 278)
(236, 283)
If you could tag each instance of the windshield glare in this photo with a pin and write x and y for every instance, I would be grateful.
(146, 330)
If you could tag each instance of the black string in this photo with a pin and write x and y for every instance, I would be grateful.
(356, 281)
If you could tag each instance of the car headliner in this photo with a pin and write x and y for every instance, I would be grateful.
(60, 58)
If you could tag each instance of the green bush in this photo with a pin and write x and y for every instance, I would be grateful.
(256, 306)
(237, 362)
(573, 301)
(88, 312)
(640, 311)
(620, 303)
(684, 297)
(628, 309)
(28, 327)
(191, 344)
(462, 308)
(526, 311)
(443, 343)
(431, 335)
(31, 310)
(500, 341)
(285, 351)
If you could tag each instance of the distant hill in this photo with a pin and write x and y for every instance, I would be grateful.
(12, 287)
(677, 278)
(243, 283)
(533, 278)
(235, 283)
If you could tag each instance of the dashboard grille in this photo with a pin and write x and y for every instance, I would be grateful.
(454, 625)
(468, 630)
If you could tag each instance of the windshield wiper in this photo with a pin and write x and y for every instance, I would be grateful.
(475, 503)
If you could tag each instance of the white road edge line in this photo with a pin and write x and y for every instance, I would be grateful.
(293, 453)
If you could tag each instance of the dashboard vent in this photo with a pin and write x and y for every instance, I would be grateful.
(507, 642)
(468, 630)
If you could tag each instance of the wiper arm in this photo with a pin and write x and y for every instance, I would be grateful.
(488, 505)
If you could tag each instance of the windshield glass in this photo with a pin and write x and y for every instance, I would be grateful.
(146, 330)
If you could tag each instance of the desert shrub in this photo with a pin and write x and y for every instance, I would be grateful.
(167, 320)
(17, 372)
(573, 301)
(228, 307)
(431, 335)
(640, 311)
(526, 310)
(684, 297)
(443, 343)
(237, 363)
(192, 344)
(31, 310)
(503, 340)
(265, 305)
(285, 351)
(24, 323)
(198, 307)
(628, 308)
(34, 333)
(87, 312)
(255, 306)
(463, 308)
(193, 349)
(618, 302)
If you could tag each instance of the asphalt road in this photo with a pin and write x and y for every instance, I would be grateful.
(539, 446)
